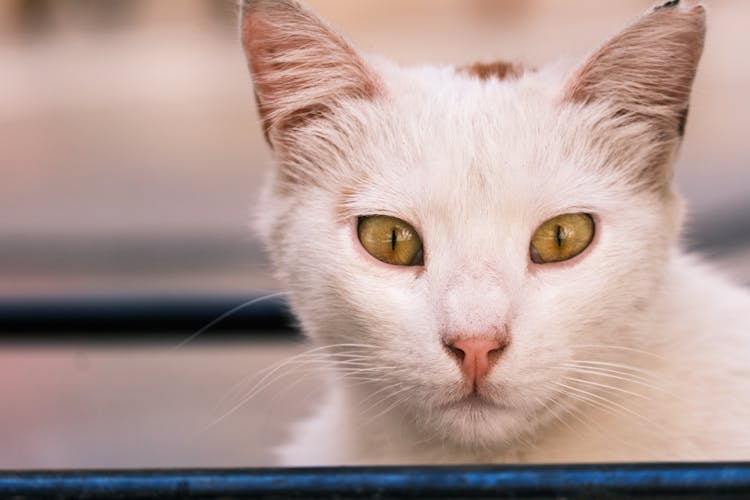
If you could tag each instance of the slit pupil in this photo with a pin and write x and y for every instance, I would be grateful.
(558, 236)
(393, 239)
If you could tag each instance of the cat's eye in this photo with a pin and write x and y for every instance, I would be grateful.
(562, 238)
(390, 240)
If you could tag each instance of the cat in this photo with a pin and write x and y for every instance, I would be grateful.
(489, 256)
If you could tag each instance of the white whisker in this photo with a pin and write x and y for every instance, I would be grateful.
(391, 407)
(271, 374)
(607, 402)
(625, 377)
(608, 364)
(222, 317)
(617, 347)
(607, 386)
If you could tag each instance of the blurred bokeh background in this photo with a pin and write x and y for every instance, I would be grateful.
(131, 158)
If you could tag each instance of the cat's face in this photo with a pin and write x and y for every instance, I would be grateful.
(474, 166)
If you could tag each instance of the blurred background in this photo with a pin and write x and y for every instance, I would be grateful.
(130, 161)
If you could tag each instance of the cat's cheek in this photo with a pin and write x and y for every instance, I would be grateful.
(533, 268)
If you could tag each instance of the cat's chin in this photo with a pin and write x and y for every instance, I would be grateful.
(476, 421)
(476, 424)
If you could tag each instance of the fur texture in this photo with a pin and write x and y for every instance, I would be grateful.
(629, 351)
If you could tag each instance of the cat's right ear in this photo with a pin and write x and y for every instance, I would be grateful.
(645, 74)
(302, 69)
(649, 67)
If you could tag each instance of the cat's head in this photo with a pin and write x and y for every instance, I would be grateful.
(470, 234)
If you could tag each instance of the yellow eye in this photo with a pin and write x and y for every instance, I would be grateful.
(562, 238)
(390, 240)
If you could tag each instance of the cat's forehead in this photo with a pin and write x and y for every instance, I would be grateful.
(462, 144)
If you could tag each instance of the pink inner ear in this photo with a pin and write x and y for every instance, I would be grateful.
(643, 77)
(650, 63)
(302, 69)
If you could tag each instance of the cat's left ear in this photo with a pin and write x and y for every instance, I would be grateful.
(646, 72)
(302, 69)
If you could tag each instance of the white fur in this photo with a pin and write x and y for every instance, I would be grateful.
(660, 342)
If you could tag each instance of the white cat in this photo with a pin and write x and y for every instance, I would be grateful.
(489, 256)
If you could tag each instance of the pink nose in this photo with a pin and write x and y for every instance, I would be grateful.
(476, 355)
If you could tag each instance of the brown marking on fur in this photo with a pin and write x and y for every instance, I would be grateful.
(500, 70)
(301, 117)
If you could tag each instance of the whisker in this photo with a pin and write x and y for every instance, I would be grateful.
(267, 373)
(598, 369)
(625, 377)
(588, 400)
(391, 407)
(594, 425)
(607, 386)
(289, 367)
(608, 364)
(260, 375)
(608, 402)
(222, 317)
(302, 376)
(550, 409)
(617, 347)
(403, 389)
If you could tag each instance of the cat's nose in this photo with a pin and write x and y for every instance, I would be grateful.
(476, 355)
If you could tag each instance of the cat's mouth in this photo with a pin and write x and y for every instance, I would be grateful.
(475, 400)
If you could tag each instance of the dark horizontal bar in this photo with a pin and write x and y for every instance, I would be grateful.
(143, 318)
(719, 232)
(686, 481)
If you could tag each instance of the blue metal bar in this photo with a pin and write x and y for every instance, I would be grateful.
(683, 480)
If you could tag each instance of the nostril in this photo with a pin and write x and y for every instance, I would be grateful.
(455, 352)
(493, 354)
